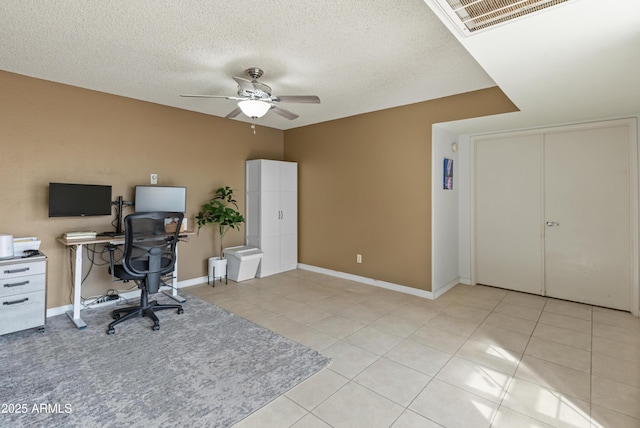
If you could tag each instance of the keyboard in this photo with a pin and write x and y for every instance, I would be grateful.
(79, 235)
(113, 234)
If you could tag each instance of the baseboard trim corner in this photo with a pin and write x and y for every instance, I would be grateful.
(446, 287)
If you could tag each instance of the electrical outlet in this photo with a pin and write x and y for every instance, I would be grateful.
(154, 179)
(358, 258)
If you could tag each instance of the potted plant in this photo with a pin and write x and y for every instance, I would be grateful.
(220, 211)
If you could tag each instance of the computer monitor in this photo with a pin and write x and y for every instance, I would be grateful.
(79, 200)
(161, 198)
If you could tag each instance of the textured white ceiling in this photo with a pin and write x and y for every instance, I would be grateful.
(574, 62)
(356, 56)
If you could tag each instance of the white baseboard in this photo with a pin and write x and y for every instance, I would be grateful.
(191, 282)
(59, 310)
(369, 281)
(448, 286)
(134, 294)
(364, 280)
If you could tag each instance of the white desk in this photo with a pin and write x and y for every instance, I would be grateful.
(76, 246)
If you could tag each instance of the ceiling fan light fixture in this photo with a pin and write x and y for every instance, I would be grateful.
(255, 98)
(255, 109)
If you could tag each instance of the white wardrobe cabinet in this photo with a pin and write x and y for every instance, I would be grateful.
(272, 214)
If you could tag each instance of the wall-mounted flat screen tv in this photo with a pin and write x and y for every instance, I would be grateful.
(79, 200)
(161, 198)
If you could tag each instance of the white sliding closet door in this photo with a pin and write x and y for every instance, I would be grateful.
(556, 213)
(508, 212)
(588, 232)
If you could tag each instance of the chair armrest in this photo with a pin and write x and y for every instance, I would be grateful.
(111, 248)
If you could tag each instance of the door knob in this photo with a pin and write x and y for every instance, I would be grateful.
(552, 223)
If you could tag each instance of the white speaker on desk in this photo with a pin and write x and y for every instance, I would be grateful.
(6, 246)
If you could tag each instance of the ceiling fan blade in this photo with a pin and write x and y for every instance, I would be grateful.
(236, 111)
(306, 99)
(213, 96)
(202, 96)
(284, 113)
(245, 85)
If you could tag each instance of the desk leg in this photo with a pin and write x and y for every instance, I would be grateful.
(173, 293)
(77, 289)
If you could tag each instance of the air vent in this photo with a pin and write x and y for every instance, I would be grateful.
(472, 16)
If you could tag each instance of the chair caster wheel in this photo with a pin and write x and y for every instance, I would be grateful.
(111, 331)
(181, 311)
(156, 327)
(115, 316)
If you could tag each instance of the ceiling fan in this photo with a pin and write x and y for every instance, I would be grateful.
(255, 99)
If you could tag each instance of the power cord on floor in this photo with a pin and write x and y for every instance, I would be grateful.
(109, 296)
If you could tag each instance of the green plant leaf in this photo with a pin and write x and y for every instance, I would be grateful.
(217, 211)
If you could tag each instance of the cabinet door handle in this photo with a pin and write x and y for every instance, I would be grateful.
(15, 302)
(16, 284)
(16, 270)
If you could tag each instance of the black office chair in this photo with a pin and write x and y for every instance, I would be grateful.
(149, 254)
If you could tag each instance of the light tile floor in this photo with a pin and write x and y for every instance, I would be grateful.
(475, 357)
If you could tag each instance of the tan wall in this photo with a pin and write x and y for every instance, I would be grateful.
(365, 187)
(57, 133)
(364, 181)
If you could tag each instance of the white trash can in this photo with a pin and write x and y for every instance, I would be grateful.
(242, 262)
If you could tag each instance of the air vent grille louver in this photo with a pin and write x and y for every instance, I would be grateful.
(477, 15)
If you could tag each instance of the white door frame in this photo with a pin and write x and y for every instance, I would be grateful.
(633, 177)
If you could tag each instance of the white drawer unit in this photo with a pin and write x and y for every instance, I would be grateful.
(23, 284)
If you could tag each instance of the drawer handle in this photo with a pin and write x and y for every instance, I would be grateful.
(16, 284)
(16, 270)
(15, 302)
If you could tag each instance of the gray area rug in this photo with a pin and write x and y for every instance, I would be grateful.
(204, 368)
